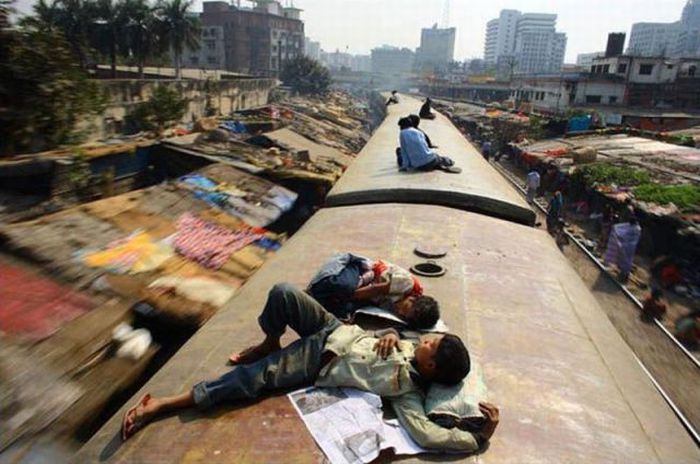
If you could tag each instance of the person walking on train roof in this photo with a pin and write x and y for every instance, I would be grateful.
(347, 282)
(425, 110)
(533, 184)
(555, 211)
(332, 354)
(416, 155)
(622, 245)
(393, 99)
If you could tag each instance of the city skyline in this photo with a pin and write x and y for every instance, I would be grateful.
(361, 25)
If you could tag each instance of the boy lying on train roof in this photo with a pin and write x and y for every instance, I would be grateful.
(347, 282)
(332, 354)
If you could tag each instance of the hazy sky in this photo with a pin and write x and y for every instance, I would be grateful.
(363, 24)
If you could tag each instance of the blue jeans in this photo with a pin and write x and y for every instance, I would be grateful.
(297, 365)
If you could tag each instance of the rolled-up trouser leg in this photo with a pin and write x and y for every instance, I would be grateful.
(288, 306)
(297, 365)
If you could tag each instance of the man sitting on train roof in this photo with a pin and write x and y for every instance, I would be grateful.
(347, 282)
(332, 354)
(416, 155)
(425, 111)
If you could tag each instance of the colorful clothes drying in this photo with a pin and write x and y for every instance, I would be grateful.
(133, 254)
(207, 243)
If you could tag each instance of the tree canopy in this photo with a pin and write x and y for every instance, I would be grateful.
(306, 76)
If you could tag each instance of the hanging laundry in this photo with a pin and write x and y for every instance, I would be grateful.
(136, 253)
(207, 243)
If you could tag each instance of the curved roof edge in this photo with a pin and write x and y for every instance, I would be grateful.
(465, 202)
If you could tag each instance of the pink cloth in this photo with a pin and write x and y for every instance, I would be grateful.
(207, 243)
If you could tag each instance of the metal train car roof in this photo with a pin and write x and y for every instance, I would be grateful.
(374, 178)
(569, 388)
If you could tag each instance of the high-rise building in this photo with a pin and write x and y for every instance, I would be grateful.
(616, 44)
(392, 60)
(653, 39)
(585, 60)
(688, 44)
(538, 47)
(437, 48)
(500, 36)
(677, 39)
(525, 42)
(312, 49)
(254, 40)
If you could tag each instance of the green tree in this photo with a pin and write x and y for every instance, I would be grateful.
(180, 28)
(43, 91)
(306, 76)
(143, 31)
(165, 107)
(107, 30)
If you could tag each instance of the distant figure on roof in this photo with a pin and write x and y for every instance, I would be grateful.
(416, 155)
(622, 244)
(332, 354)
(654, 306)
(347, 282)
(425, 110)
(393, 99)
(533, 184)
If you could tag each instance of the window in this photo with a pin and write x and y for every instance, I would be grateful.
(622, 68)
(606, 69)
(612, 99)
(691, 71)
(593, 98)
(646, 69)
(211, 45)
(669, 66)
(194, 59)
(212, 60)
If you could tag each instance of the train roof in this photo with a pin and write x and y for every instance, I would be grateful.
(374, 178)
(569, 388)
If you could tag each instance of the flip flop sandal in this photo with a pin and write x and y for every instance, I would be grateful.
(138, 421)
(428, 269)
(427, 251)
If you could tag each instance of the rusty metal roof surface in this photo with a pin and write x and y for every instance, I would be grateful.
(375, 178)
(317, 152)
(569, 388)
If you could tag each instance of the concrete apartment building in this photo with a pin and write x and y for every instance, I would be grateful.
(677, 39)
(392, 60)
(253, 41)
(524, 42)
(437, 48)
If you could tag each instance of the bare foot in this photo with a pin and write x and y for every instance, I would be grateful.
(138, 416)
(254, 353)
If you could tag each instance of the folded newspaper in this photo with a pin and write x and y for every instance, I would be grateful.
(348, 426)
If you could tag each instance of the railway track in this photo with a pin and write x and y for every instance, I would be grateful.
(674, 371)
